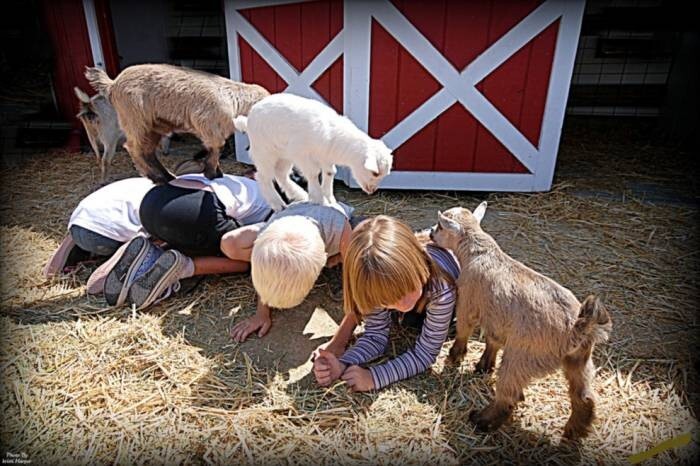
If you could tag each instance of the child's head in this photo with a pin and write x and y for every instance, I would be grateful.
(286, 260)
(384, 265)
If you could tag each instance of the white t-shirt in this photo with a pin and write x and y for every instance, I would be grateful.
(239, 195)
(113, 210)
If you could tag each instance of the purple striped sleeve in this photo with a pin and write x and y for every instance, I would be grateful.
(439, 313)
(373, 343)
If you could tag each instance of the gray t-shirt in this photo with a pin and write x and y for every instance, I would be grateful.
(330, 220)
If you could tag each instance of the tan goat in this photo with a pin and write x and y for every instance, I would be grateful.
(540, 325)
(154, 100)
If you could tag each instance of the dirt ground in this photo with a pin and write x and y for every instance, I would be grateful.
(620, 222)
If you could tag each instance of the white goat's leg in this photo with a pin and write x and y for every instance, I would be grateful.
(294, 192)
(311, 172)
(328, 175)
(265, 178)
(265, 161)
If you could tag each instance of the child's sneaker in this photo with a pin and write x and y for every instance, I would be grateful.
(96, 281)
(138, 257)
(160, 281)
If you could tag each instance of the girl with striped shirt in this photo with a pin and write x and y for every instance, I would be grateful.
(387, 269)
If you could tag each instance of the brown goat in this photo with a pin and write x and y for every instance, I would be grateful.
(154, 100)
(540, 325)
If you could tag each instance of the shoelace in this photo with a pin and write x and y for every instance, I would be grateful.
(174, 288)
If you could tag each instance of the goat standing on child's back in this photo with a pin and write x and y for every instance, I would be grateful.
(539, 324)
(286, 130)
(154, 100)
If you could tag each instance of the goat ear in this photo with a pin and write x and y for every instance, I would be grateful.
(371, 165)
(82, 96)
(479, 212)
(449, 224)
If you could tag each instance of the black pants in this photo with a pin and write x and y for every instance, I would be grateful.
(189, 220)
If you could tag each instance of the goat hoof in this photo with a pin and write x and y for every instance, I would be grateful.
(454, 360)
(455, 357)
(487, 420)
(213, 173)
(482, 368)
(574, 433)
(161, 178)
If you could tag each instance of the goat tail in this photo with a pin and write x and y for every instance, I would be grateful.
(592, 326)
(241, 123)
(99, 80)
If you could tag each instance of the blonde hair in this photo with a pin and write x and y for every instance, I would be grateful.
(286, 260)
(383, 263)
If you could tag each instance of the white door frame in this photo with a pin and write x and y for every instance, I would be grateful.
(93, 28)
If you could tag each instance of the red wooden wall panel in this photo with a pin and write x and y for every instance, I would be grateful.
(65, 25)
(505, 85)
(456, 141)
(538, 74)
(398, 86)
(299, 31)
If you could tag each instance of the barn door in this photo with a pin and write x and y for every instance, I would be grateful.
(469, 95)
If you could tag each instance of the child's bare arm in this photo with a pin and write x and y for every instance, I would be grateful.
(238, 244)
(261, 321)
(342, 336)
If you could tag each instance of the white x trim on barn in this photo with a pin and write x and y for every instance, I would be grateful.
(457, 86)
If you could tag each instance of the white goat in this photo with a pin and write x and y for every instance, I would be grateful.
(102, 127)
(286, 130)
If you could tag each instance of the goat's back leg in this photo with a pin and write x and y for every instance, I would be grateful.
(579, 372)
(513, 377)
(488, 358)
(264, 175)
(283, 170)
(311, 172)
(467, 320)
(328, 177)
(142, 152)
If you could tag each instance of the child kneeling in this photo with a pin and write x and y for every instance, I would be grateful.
(387, 269)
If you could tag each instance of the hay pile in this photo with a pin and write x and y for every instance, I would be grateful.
(110, 391)
(87, 384)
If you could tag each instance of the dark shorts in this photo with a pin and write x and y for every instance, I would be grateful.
(189, 220)
(92, 242)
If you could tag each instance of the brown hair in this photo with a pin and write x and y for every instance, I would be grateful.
(384, 262)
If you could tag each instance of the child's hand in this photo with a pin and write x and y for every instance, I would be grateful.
(327, 368)
(334, 347)
(242, 329)
(358, 379)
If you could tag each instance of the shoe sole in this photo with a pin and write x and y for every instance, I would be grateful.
(156, 288)
(122, 274)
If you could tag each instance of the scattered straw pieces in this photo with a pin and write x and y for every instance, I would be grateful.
(87, 384)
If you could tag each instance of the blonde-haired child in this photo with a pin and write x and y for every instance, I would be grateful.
(386, 268)
(287, 257)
